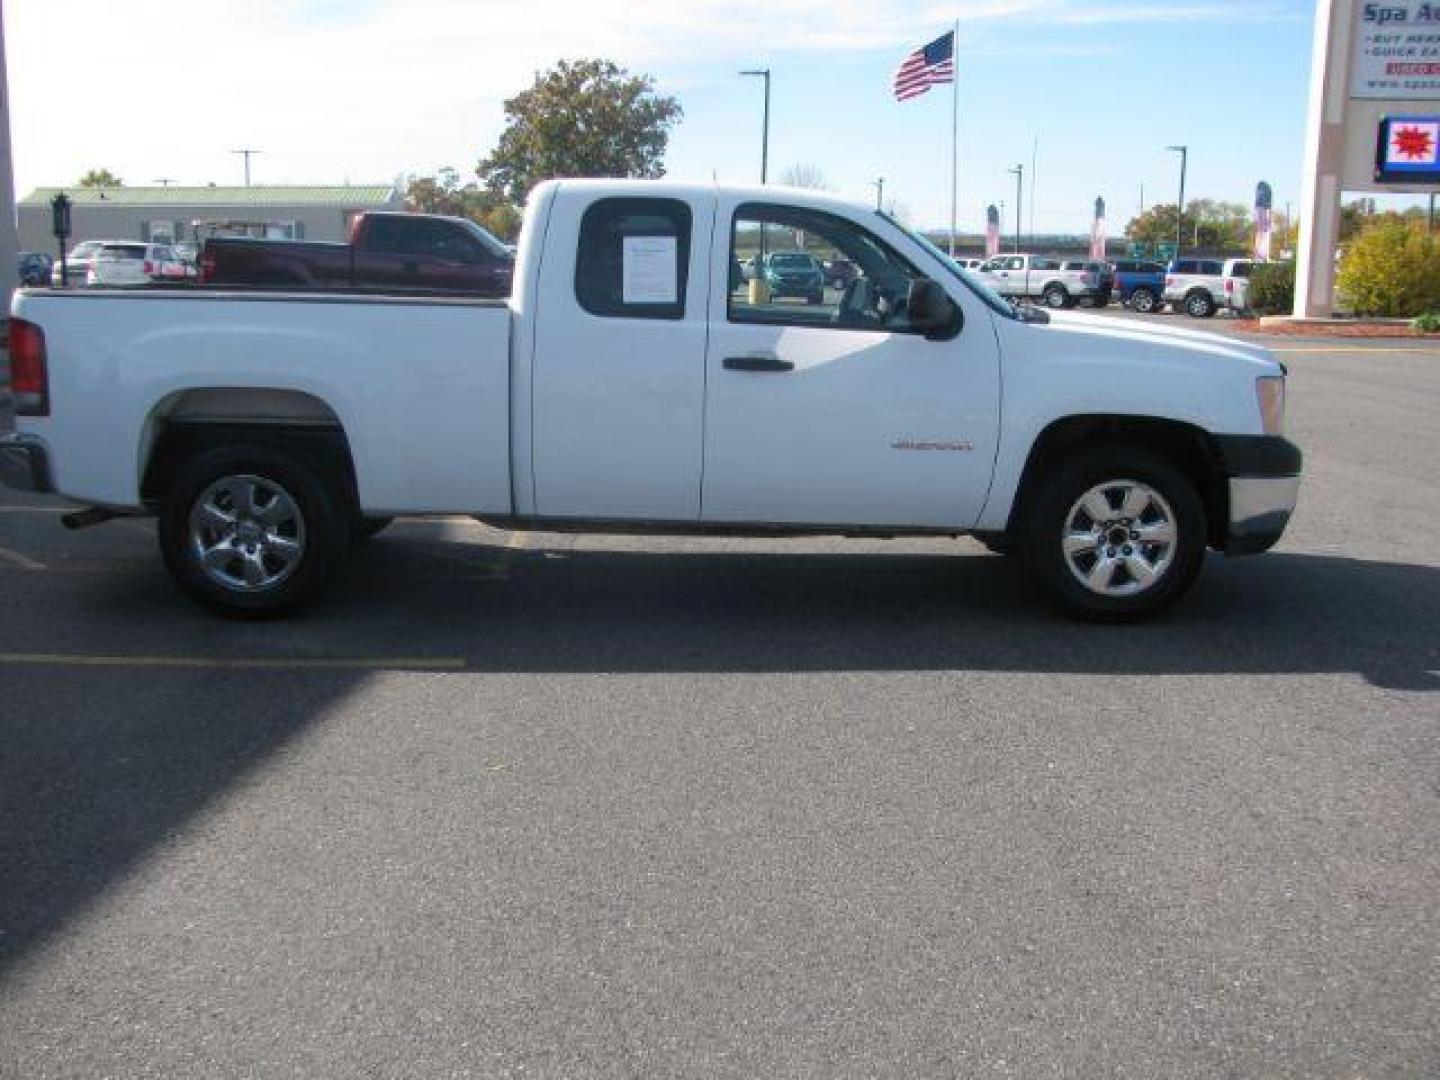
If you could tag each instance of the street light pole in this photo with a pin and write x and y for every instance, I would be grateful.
(245, 153)
(879, 185)
(1019, 173)
(1184, 152)
(764, 73)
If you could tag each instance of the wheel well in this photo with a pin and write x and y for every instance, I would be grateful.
(1188, 448)
(197, 420)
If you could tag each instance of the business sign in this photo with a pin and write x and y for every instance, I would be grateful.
(1397, 51)
(1407, 150)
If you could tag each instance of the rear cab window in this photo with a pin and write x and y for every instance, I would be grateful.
(633, 258)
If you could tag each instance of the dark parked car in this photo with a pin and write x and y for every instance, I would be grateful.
(388, 252)
(839, 272)
(34, 268)
(794, 273)
(1140, 284)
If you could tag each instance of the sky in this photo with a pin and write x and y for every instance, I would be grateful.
(364, 91)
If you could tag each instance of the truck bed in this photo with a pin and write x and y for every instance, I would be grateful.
(420, 385)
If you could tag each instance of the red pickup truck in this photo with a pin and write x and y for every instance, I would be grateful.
(390, 252)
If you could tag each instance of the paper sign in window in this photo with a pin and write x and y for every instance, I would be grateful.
(650, 269)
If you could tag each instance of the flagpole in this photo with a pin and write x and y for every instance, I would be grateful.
(954, 131)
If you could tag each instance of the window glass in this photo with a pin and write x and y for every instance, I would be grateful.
(791, 247)
(1241, 270)
(1015, 263)
(633, 259)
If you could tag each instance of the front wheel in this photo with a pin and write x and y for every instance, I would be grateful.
(1114, 534)
(1056, 297)
(252, 530)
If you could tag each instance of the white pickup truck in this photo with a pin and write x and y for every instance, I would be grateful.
(633, 384)
(1038, 277)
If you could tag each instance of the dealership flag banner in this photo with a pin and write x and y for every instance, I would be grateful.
(1097, 232)
(929, 66)
(1264, 221)
(992, 231)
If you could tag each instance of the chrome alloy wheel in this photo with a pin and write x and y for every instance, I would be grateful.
(247, 533)
(1119, 538)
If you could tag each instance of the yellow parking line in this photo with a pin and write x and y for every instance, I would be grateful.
(431, 663)
(24, 562)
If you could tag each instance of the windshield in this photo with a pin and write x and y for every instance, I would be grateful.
(991, 298)
(792, 262)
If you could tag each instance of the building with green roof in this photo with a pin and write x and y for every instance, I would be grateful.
(172, 214)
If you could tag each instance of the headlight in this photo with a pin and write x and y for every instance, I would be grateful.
(1270, 395)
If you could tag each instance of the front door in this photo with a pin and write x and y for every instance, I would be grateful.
(618, 391)
(838, 413)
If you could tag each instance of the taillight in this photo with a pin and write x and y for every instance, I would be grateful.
(1089, 279)
(149, 267)
(207, 266)
(1169, 281)
(1229, 286)
(29, 380)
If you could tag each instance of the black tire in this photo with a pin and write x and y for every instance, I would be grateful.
(1199, 305)
(1046, 520)
(363, 528)
(317, 500)
(1144, 301)
(1055, 296)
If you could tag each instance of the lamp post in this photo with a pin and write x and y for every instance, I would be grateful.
(1184, 152)
(764, 73)
(1019, 173)
(246, 153)
(879, 185)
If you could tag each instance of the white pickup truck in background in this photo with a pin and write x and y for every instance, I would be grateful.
(634, 384)
(1038, 277)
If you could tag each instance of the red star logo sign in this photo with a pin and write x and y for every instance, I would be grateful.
(1414, 144)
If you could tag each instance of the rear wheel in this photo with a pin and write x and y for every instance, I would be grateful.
(1055, 296)
(1115, 534)
(252, 530)
(1200, 305)
(1144, 301)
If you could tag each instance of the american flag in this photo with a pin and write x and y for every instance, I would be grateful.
(926, 67)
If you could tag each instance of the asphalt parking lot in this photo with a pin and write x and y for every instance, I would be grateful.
(539, 805)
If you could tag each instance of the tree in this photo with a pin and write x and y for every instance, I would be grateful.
(1392, 269)
(806, 176)
(581, 118)
(443, 193)
(101, 178)
(1208, 224)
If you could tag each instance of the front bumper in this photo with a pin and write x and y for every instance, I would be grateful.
(24, 464)
(1263, 472)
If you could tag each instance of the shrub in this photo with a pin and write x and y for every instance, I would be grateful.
(1429, 323)
(1272, 288)
(1392, 270)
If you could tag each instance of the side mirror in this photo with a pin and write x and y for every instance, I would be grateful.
(930, 309)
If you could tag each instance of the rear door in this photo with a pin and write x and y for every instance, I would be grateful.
(618, 390)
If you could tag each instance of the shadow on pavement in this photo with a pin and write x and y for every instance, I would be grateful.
(99, 766)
